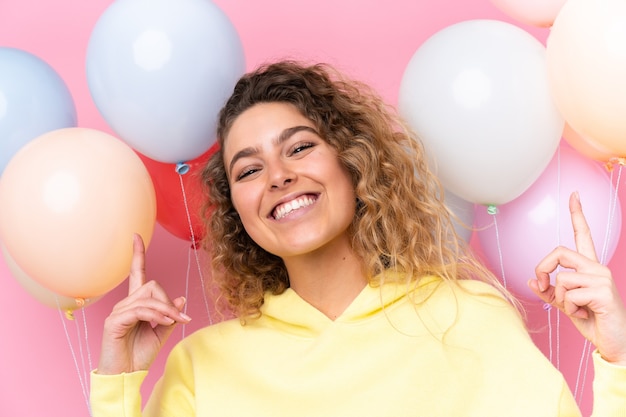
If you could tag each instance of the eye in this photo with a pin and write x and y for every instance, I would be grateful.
(246, 172)
(300, 147)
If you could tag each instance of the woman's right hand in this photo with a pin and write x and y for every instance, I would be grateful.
(140, 324)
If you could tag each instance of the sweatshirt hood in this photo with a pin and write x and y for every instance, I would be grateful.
(290, 313)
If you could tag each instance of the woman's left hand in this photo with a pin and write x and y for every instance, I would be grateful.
(585, 290)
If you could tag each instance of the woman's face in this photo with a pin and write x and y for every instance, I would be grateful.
(291, 192)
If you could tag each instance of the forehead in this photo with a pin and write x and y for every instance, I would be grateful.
(262, 123)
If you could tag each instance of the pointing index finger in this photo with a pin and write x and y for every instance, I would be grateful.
(582, 233)
(137, 275)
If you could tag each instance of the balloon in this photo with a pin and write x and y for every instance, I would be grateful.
(33, 100)
(160, 70)
(533, 224)
(70, 201)
(477, 94)
(540, 13)
(585, 146)
(586, 61)
(464, 212)
(172, 205)
(41, 293)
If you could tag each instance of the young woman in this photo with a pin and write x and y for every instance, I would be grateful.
(331, 243)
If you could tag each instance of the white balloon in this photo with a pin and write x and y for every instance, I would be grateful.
(160, 70)
(477, 94)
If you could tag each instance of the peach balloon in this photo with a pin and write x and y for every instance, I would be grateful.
(540, 13)
(70, 201)
(586, 61)
(586, 146)
(41, 293)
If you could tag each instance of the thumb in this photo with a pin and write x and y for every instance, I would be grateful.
(164, 332)
(546, 294)
(179, 303)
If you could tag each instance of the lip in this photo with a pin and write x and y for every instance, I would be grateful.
(289, 198)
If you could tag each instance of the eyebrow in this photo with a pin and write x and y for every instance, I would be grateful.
(284, 135)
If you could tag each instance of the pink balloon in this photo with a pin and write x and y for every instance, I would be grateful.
(533, 224)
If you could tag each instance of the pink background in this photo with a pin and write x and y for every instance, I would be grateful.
(370, 39)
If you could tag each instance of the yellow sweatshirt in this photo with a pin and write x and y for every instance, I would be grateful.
(451, 351)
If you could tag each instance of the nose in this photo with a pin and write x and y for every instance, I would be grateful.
(280, 175)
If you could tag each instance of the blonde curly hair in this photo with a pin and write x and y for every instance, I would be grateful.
(400, 223)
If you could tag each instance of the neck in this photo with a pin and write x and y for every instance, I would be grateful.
(329, 279)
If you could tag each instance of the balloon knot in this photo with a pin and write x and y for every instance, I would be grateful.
(613, 161)
(492, 209)
(80, 302)
(547, 306)
(182, 168)
(69, 314)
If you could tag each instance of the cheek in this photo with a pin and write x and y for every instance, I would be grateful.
(246, 203)
(345, 179)
(239, 204)
(351, 198)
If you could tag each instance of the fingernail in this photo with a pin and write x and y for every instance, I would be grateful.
(185, 317)
(576, 196)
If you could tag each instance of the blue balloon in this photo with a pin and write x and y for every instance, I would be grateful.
(160, 70)
(33, 100)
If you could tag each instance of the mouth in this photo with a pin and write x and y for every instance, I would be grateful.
(289, 207)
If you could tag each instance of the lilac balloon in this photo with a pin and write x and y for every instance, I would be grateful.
(530, 226)
(464, 212)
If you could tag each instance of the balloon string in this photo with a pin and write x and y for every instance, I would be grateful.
(187, 286)
(493, 210)
(558, 193)
(194, 244)
(82, 381)
(580, 371)
(558, 339)
(613, 199)
(558, 239)
(80, 350)
(587, 356)
(607, 231)
(548, 307)
(89, 362)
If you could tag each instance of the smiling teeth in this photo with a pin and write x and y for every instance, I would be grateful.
(287, 208)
